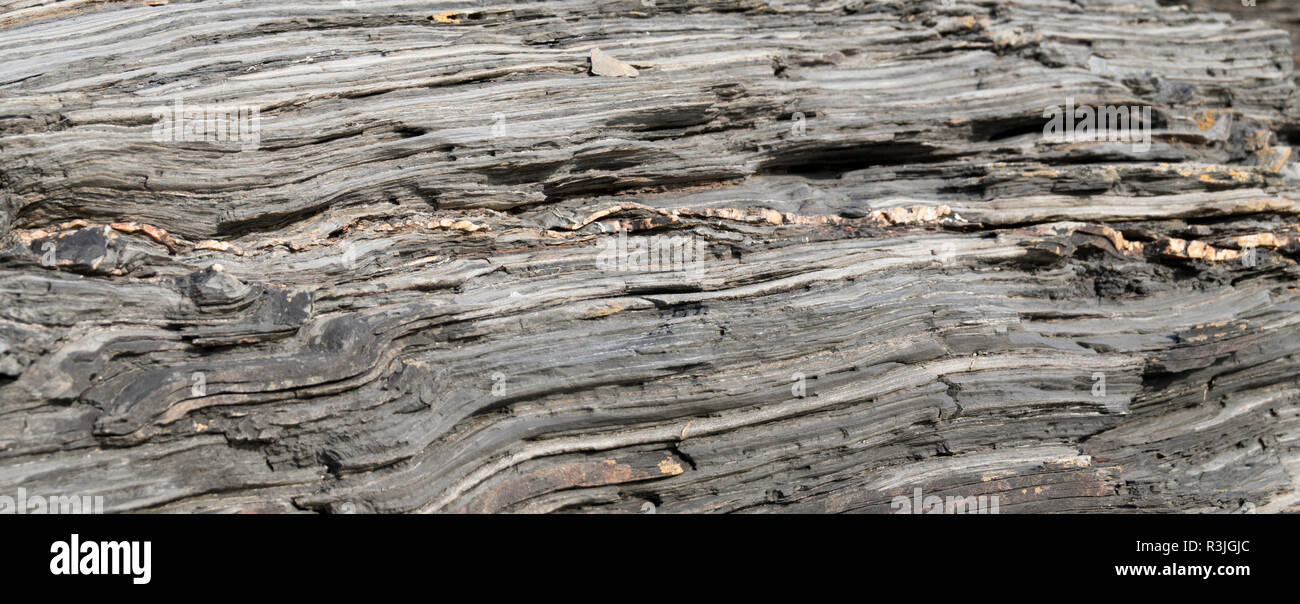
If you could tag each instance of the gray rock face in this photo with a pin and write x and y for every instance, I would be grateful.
(306, 257)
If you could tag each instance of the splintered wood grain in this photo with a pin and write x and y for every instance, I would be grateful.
(399, 297)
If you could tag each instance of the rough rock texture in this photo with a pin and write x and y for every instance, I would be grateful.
(1276, 13)
(396, 301)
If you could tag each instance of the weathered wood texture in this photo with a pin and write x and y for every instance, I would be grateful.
(394, 304)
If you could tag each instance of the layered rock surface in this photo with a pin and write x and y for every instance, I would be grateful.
(398, 298)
